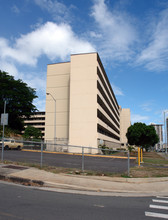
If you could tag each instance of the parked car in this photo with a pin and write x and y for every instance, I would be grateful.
(11, 144)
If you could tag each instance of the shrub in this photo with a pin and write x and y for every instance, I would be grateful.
(106, 150)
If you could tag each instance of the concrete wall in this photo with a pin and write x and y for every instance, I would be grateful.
(125, 123)
(58, 79)
(83, 100)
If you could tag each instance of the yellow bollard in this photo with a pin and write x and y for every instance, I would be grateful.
(141, 155)
(138, 156)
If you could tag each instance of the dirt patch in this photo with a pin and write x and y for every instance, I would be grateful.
(15, 167)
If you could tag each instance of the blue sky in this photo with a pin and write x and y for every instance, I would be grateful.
(131, 37)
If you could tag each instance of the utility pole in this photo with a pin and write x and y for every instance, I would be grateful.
(165, 111)
(4, 118)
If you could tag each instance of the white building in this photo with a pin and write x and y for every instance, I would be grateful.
(159, 132)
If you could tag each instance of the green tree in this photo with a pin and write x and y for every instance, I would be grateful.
(32, 133)
(8, 132)
(142, 135)
(19, 100)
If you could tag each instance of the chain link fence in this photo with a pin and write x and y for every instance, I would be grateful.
(62, 155)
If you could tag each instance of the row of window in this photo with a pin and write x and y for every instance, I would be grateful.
(104, 131)
(109, 95)
(99, 87)
(112, 104)
(38, 113)
(35, 124)
(35, 119)
(104, 107)
(104, 119)
(105, 76)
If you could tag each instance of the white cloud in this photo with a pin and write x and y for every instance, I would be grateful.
(9, 68)
(118, 33)
(95, 35)
(54, 41)
(15, 9)
(147, 106)
(138, 118)
(40, 104)
(117, 91)
(155, 55)
(35, 81)
(59, 11)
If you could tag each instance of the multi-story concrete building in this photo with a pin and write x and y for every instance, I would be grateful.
(159, 132)
(37, 120)
(87, 112)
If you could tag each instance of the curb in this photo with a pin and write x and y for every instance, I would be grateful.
(67, 188)
(22, 181)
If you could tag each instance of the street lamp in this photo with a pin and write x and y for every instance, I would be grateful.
(3, 123)
(54, 117)
(165, 111)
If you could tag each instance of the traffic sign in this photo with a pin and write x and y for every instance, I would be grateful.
(4, 119)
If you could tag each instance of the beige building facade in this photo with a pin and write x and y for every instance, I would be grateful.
(125, 123)
(81, 103)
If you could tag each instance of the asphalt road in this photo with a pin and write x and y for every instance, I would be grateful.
(70, 161)
(19, 202)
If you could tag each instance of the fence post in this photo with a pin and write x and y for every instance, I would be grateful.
(2, 155)
(139, 156)
(82, 159)
(128, 163)
(41, 162)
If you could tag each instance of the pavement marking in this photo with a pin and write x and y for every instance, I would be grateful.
(78, 154)
(161, 201)
(159, 207)
(100, 206)
(10, 215)
(156, 215)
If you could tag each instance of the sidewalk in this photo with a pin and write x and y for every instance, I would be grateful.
(85, 184)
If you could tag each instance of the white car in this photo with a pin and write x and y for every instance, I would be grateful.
(11, 144)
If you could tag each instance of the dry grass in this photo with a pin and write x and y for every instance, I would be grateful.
(154, 166)
(144, 172)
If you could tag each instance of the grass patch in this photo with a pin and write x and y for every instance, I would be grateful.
(154, 166)
(146, 172)
(157, 161)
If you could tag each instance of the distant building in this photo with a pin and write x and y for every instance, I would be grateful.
(37, 120)
(159, 132)
(125, 123)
